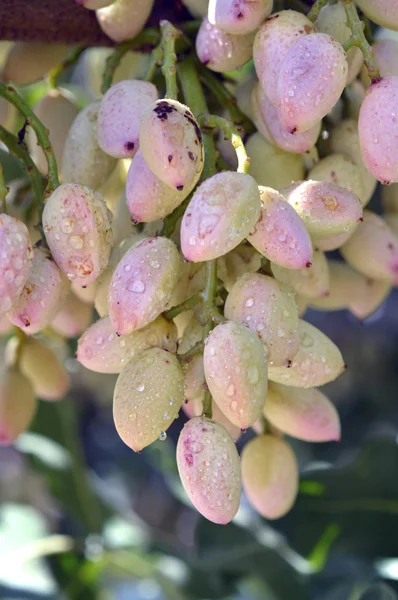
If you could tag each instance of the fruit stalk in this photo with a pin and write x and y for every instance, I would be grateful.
(316, 9)
(226, 99)
(358, 39)
(231, 133)
(32, 172)
(147, 37)
(70, 61)
(10, 93)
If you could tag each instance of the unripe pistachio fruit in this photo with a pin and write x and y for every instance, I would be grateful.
(171, 143)
(280, 233)
(142, 284)
(236, 372)
(209, 468)
(43, 294)
(148, 395)
(77, 226)
(269, 309)
(17, 406)
(83, 161)
(120, 114)
(101, 350)
(270, 475)
(306, 414)
(318, 361)
(238, 16)
(222, 212)
(15, 259)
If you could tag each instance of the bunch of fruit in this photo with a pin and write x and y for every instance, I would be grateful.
(200, 296)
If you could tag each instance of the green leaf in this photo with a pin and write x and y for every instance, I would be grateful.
(360, 498)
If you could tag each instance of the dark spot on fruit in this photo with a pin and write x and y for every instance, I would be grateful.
(390, 245)
(117, 333)
(308, 265)
(191, 156)
(190, 118)
(129, 146)
(288, 363)
(170, 157)
(239, 15)
(189, 459)
(308, 28)
(180, 188)
(294, 130)
(163, 109)
(167, 362)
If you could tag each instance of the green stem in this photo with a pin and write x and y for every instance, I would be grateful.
(147, 38)
(207, 405)
(19, 150)
(170, 222)
(226, 99)
(209, 294)
(186, 305)
(3, 191)
(10, 94)
(188, 356)
(169, 36)
(70, 60)
(232, 133)
(316, 9)
(357, 27)
(155, 63)
(195, 99)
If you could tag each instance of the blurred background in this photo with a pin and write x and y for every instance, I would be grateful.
(84, 517)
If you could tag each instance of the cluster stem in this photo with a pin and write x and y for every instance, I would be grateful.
(168, 43)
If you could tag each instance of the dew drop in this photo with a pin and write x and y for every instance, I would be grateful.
(230, 390)
(137, 286)
(67, 225)
(76, 242)
(140, 387)
(162, 436)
